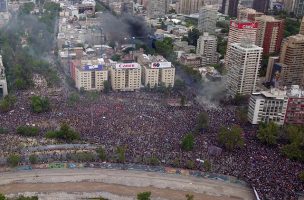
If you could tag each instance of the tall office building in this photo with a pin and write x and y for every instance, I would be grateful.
(207, 19)
(243, 69)
(157, 8)
(189, 6)
(292, 56)
(261, 5)
(3, 83)
(298, 8)
(240, 30)
(269, 34)
(206, 48)
(230, 7)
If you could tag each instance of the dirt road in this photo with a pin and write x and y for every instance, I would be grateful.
(120, 183)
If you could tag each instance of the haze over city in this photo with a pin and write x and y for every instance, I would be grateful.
(152, 99)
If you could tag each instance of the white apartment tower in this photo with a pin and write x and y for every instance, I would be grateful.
(243, 68)
(3, 83)
(207, 19)
(157, 8)
(206, 48)
(240, 30)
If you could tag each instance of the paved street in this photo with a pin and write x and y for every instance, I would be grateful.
(121, 184)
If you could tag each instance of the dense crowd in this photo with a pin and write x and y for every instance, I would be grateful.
(148, 127)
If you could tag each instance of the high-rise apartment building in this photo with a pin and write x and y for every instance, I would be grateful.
(269, 34)
(243, 68)
(292, 56)
(156, 71)
(157, 8)
(206, 48)
(88, 74)
(188, 6)
(230, 7)
(126, 77)
(261, 5)
(3, 82)
(207, 19)
(240, 30)
(299, 8)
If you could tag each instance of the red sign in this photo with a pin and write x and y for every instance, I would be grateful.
(243, 25)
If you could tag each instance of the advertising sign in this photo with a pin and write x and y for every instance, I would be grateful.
(92, 67)
(127, 65)
(243, 25)
(158, 65)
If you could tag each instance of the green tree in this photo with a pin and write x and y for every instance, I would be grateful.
(73, 99)
(301, 176)
(27, 198)
(26, 8)
(202, 122)
(231, 138)
(165, 47)
(121, 154)
(115, 57)
(144, 196)
(3, 130)
(268, 133)
(207, 165)
(241, 114)
(179, 85)
(2, 197)
(40, 104)
(33, 159)
(13, 160)
(190, 164)
(153, 161)
(295, 134)
(106, 87)
(65, 133)
(193, 36)
(183, 101)
(293, 152)
(189, 197)
(221, 46)
(28, 131)
(101, 154)
(187, 142)
(7, 103)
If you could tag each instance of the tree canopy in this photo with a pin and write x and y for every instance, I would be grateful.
(164, 47)
(40, 104)
(187, 142)
(144, 196)
(231, 138)
(65, 133)
(268, 133)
